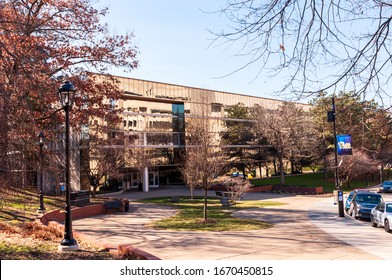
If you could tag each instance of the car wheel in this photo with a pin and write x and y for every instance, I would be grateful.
(372, 223)
(386, 226)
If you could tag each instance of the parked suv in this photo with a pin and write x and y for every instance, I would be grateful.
(349, 198)
(362, 203)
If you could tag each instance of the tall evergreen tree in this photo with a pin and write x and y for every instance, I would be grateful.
(367, 122)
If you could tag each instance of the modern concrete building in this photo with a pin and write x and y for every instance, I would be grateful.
(152, 132)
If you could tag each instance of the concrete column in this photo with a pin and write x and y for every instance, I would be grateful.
(145, 180)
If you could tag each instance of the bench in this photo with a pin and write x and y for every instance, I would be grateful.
(225, 202)
(113, 205)
(174, 199)
(229, 195)
(219, 194)
(81, 198)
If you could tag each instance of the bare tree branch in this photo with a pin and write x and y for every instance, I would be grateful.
(316, 45)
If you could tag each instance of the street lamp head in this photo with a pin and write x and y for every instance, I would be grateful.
(67, 94)
(41, 138)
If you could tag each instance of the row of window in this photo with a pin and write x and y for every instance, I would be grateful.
(150, 124)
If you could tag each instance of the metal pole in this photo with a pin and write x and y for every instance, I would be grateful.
(68, 243)
(41, 208)
(338, 187)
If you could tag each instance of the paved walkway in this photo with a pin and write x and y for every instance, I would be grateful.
(301, 231)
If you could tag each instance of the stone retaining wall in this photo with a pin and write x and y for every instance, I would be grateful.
(298, 190)
(278, 188)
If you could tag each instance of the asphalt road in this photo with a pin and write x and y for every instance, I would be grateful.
(307, 228)
(357, 233)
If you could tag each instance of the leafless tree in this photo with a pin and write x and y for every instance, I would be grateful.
(289, 130)
(204, 160)
(100, 157)
(190, 173)
(354, 166)
(237, 187)
(318, 45)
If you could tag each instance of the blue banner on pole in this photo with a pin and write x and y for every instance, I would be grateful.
(344, 144)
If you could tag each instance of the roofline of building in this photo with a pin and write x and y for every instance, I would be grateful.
(197, 88)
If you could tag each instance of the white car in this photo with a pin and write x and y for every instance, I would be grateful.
(382, 215)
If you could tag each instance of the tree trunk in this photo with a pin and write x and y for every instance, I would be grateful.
(205, 203)
(325, 167)
(94, 191)
(260, 170)
(275, 169)
(281, 169)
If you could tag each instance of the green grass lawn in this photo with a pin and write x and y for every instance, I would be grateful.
(313, 180)
(190, 215)
(20, 205)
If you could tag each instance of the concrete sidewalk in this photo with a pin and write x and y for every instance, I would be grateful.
(296, 233)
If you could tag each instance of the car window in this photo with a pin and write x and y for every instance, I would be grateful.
(374, 199)
(359, 198)
(389, 208)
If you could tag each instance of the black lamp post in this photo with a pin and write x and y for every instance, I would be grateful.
(66, 94)
(41, 208)
(332, 118)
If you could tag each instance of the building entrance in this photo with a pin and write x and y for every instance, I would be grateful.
(153, 179)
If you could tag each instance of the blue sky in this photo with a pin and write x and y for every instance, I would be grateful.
(174, 44)
(175, 47)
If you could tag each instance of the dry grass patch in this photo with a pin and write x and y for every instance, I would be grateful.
(30, 240)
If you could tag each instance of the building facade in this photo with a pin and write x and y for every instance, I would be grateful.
(152, 133)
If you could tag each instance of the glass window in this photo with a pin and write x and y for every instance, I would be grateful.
(380, 206)
(179, 121)
(375, 199)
